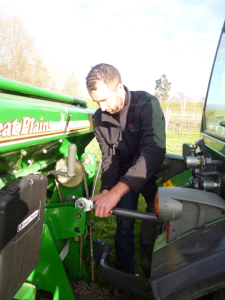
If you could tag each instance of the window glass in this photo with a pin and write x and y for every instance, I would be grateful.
(215, 106)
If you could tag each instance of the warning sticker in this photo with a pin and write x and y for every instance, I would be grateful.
(168, 183)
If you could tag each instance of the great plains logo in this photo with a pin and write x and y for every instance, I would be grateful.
(28, 126)
(27, 221)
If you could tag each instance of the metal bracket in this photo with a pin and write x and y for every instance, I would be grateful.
(67, 122)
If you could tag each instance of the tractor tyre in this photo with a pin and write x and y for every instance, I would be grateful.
(89, 291)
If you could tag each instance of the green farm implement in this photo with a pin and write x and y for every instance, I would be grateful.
(46, 181)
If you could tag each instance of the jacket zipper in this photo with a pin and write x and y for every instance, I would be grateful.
(120, 138)
(120, 129)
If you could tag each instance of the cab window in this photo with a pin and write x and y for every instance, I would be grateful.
(215, 106)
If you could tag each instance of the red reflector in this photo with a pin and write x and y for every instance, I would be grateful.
(167, 230)
(157, 204)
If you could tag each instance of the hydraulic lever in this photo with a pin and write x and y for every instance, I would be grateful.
(88, 205)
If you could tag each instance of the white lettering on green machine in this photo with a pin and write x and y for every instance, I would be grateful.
(28, 126)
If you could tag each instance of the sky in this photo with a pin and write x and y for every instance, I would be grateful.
(143, 39)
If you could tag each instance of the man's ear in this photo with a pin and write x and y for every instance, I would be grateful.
(121, 90)
(120, 86)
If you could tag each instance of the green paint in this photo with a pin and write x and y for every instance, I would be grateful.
(36, 146)
(26, 89)
(178, 180)
(26, 292)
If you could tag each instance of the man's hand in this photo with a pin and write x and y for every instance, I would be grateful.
(105, 201)
(97, 197)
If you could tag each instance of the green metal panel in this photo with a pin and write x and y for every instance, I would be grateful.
(64, 221)
(178, 180)
(28, 90)
(33, 135)
(60, 252)
(26, 292)
(214, 146)
(50, 274)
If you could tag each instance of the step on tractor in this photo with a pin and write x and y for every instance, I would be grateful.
(47, 182)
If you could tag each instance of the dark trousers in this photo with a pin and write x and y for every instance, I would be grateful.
(124, 240)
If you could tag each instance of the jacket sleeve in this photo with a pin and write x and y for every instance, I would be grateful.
(110, 162)
(152, 146)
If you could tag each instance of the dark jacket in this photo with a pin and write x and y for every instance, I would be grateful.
(132, 142)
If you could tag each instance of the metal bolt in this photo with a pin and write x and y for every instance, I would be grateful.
(29, 161)
(61, 140)
(76, 239)
(14, 171)
(45, 151)
(89, 172)
(78, 216)
(23, 152)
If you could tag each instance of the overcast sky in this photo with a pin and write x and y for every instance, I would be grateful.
(142, 38)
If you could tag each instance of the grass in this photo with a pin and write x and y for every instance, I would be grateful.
(104, 228)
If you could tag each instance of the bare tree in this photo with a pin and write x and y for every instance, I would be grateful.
(182, 99)
(3, 44)
(72, 86)
(64, 81)
(19, 59)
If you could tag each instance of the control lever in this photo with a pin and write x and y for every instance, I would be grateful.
(88, 205)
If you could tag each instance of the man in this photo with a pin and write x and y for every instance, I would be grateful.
(130, 130)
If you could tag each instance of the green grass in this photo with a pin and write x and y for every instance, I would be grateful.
(104, 228)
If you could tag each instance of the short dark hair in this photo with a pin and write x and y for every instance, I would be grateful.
(105, 73)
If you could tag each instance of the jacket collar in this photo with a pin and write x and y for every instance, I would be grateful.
(106, 117)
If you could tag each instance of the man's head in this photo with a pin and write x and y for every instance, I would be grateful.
(105, 87)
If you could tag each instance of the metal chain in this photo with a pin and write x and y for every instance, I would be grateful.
(59, 192)
(81, 257)
(91, 231)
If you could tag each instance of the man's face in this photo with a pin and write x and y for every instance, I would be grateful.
(109, 101)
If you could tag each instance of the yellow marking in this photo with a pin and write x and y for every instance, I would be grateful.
(168, 183)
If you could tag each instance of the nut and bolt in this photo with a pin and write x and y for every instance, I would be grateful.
(23, 152)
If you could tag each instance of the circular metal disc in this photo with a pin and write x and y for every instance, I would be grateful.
(69, 182)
